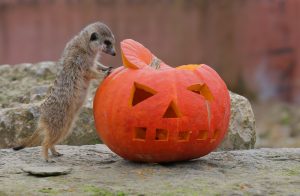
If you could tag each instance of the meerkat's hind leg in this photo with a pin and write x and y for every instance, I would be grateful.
(46, 154)
(45, 150)
(54, 152)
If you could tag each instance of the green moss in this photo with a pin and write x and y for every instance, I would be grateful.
(192, 191)
(95, 141)
(120, 193)
(46, 79)
(292, 172)
(99, 191)
(96, 191)
(285, 118)
(3, 193)
(48, 191)
(182, 191)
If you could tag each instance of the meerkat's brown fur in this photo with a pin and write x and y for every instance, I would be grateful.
(68, 93)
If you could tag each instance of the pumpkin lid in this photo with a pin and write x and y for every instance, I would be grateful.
(136, 56)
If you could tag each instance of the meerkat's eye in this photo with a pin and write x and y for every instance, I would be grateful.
(107, 42)
(94, 36)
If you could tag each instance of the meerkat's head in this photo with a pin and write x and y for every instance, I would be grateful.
(100, 39)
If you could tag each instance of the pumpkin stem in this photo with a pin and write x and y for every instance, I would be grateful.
(155, 63)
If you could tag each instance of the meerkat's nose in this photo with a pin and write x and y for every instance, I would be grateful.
(113, 52)
(110, 51)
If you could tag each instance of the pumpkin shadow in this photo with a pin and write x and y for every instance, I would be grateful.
(198, 164)
(194, 164)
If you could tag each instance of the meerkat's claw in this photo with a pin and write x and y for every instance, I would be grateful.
(102, 67)
(105, 69)
(107, 72)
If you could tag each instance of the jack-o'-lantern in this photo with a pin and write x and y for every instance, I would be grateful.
(150, 112)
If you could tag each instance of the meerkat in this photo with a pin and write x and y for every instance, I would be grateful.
(80, 65)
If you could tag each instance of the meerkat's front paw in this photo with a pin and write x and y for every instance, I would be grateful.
(57, 154)
(108, 71)
(105, 69)
(49, 161)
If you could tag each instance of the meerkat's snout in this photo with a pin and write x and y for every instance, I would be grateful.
(109, 48)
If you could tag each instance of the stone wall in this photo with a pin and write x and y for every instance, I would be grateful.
(24, 86)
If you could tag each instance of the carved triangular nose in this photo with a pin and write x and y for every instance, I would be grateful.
(172, 111)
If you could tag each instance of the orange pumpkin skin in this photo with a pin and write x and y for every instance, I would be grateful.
(161, 115)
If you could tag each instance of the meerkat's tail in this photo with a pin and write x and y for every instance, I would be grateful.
(34, 139)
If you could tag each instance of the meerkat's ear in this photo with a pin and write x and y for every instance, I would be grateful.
(94, 36)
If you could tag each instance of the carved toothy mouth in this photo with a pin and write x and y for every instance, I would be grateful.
(140, 134)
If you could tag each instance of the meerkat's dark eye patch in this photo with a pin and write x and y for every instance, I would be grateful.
(94, 36)
(107, 42)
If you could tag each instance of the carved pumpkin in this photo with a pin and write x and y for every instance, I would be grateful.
(148, 111)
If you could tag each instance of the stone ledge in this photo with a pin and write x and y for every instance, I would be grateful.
(96, 170)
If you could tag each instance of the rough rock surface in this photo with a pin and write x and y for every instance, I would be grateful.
(46, 171)
(25, 85)
(96, 171)
(241, 132)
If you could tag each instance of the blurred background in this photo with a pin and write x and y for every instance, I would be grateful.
(253, 44)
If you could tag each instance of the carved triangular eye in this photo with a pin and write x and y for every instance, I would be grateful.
(203, 90)
(141, 93)
(172, 111)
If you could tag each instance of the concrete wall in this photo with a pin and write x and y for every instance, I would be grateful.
(253, 44)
